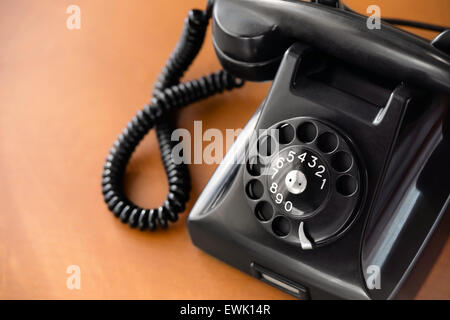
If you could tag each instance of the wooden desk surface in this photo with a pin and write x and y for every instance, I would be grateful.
(64, 97)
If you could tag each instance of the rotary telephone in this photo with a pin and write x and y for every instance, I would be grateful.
(339, 178)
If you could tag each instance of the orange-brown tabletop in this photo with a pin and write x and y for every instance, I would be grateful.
(64, 96)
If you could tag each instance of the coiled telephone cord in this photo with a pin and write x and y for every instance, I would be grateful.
(168, 96)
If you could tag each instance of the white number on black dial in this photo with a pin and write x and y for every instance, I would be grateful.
(298, 180)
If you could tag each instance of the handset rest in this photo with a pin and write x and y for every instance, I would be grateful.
(250, 37)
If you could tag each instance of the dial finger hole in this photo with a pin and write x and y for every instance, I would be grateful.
(266, 145)
(341, 161)
(254, 166)
(285, 133)
(346, 185)
(281, 226)
(264, 211)
(307, 132)
(254, 189)
(327, 142)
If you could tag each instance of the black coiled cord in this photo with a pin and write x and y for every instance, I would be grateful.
(168, 96)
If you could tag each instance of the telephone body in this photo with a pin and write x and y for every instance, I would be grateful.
(375, 145)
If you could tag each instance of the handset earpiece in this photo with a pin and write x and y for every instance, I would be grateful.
(245, 44)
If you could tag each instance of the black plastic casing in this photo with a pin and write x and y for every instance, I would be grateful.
(401, 137)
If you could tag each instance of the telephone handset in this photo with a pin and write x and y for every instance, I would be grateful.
(338, 180)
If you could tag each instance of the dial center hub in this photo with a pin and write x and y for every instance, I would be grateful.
(295, 181)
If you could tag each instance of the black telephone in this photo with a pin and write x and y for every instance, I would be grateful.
(340, 177)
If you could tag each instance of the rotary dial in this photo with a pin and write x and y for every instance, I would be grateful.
(303, 184)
